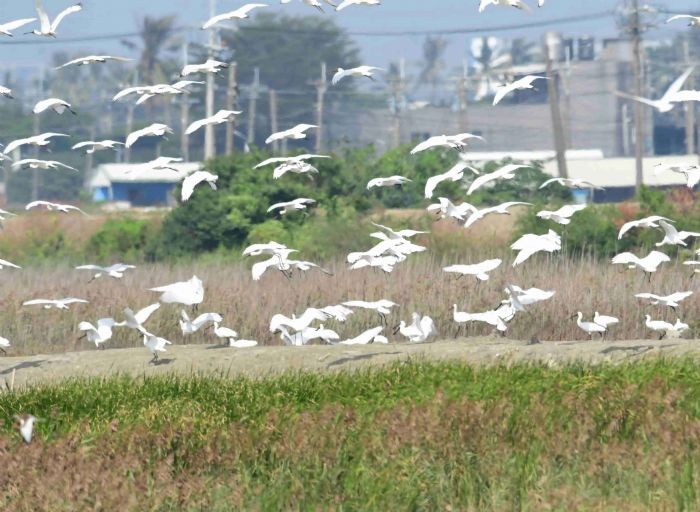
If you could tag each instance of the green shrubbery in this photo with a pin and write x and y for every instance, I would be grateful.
(124, 238)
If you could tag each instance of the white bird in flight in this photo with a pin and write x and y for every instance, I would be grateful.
(690, 171)
(288, 160)
(454, 174)
(578, 183)
(54, 303)
(646, 222)
(391, 181)
(382, 306)
(5, 263)
(458, 142)
(309, 316)
(191, 326)
(115, 271)
(674, 237)
(136, 320)
(7, 28)
(92, 59)
(478, 270)
(523, 83)
(369, 336)
(507, 172)
(347, 3)
(239, 14)
(693, 21)
(669, 99)
(447, 209)
(187, 293)
(43, 139)
(210, 66)
(221, 117)
(154, 130)
(194, 179)
(99, 333)
(488, 317)
(33, 163)
(649, 264)
(672, 301)
(296, 204)
(26, 426)
(419, 331)
(518, 4)
(54, 207)
(6, 92)
(365, 71)
(562, 215)
(48, 28)
(298, 132)
(530, 244)
(501, 209)
(91, 146)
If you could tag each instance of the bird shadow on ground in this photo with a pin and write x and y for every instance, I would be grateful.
(162, 362)
(217, 347)
(361, 357)
(23, 366)
(633, 348)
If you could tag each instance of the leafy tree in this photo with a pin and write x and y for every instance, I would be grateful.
(433, 63)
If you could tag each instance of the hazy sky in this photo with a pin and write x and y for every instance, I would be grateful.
(108, 17)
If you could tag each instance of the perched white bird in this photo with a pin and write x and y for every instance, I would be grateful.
(154, 130)
(296, 133)
(348, 3)
(6, 28)
(589, 327)
(562, 215)
(648, 264)
(521, 84)
(37, 140)
(221, 117)
(501, 209)
(391, 181)
(604, 320)
(224, 333)
(26, 426)
(115, 271)
(6, 92)
(693, 21)
(190, 326)
(210, 66)
(577, 183)
(447, 209)
(369, 336)
(194, 179)
(91, 147)
(33, 163)
(478, 270)
(454, 174)
(136, 320)
(458, 142)
(678, 328)
(154, 344)
(658, 325)
(419, 331)
(672, 301)
(382, 307)
(63, 208)
(647, 222)
(296, 204)
(187, 293)
(298, 323)
(100, 333)
(518, 4)
(507, 172)
(239, 14)
(4, 343)
(48, 28)
(365, 71)
(669, 99)
(92, 59)
(530, 244)
(54, 303)
(673, 236)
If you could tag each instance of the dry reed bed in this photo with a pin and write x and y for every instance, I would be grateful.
(416, 285)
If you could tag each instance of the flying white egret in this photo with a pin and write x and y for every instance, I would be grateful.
(312, 3)
(518, 4)
(488, 317)
(190, 326)
(33, 163)
(100, 333)
(454, 174)
(605, 320)
(693, 21)
(92, 59)
(365, 71)
(63, 208)
(56, 104)
(419, 331)
(673, 236)
(37, 140)
(562, 215)
(391, 181)
(300, 323)
(187, 293)
(239, 14)
(521, 84)
(210, 66)
(296, 204)
(447, 209)
(577, 183)
(194, 179)
(507, 172)
(6, 92)
(369, 336)
(5, 263)
(268, 248)
(278, 260)
(385, 263)
(392, 234)
(136, 320)
(54, 303)
(26, 426)
(139, 89)
(527, 297)
(91, 146)
(690, 171)
(589, 327)
(672, 301)
(694, 264)
(4, 343)
(115, 271)
(382, 307)
(478, 270)
(288, 160)
(669, 99)
(458, 142)
(647, 222)
(648, 264)
(501, 209)
(221, 117)
(658, 325)
(298, 132)
(6, 28)
(154, 130)
(347, 3)
(154, 344)
(338, 312)
(48, 28)
(530, 244)
(295, 168)
(304, 266)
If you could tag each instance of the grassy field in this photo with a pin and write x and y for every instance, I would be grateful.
(416, 436)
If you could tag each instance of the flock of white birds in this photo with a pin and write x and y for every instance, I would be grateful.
(394, 246)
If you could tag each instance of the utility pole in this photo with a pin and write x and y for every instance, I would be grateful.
(638, 112)
(273, 120)
(209, 142)
(689, 106)
(462, 97)
(130, 117)
(397, 92)
(553, 94)
(321, 87)
(184, 111)
(37, 131)
(231, 96)
(252, 105)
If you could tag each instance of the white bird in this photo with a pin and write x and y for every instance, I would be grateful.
(224, 333)
(604, 320)
(221, 117)
(312, 3)
(100, 333)
(4, 343)
(507, 172)
(672, 301)
(91, 146)
(501, 209)
(382, 306)
(260, 249)
(527, 297)
(63, 208)
(658, 325)
(294, 167)
(454, 174)
(562, 215)
(447, 209)
(678, 328)
(674, 237)
(488, 317)
(518, 4)
(115, 271)
(392, 234)
(530, 244)
(210, 66)
(154, 130)
(391, 181)
(92, 59)
(693, 21)
(457, 142)
(338, 312)
(34, 163)
(26, 426)
(521, 84)
(296, 204)
(589, 327)
(48, 28)
(239, 14)
(54, 303)
(648, 264)
(190, 326)
(288, 160)
(7, 92)
(162, 163)
(365, 71)
(646, 222)
(5, 263)
(278, 260)
(194, 179)
(348, 3)
(154, 344)
(691, 172)
(297, 323)
(296, 133)
(419, 331)
(669, 99)
(694, 264)
(6, 28)
(369, 336)
(478, 270)
(136, 320)
(577, 183)
(37, 140)
(187, 293)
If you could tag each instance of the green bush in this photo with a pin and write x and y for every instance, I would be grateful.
(123, 238)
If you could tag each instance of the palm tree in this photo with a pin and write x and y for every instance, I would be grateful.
(156, 35)
(433, 50)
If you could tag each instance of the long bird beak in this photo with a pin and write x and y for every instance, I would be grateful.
(396, 328)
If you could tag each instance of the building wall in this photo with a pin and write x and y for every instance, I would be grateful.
(143, 194)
